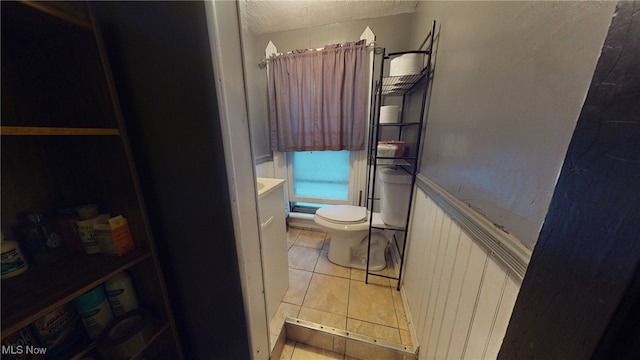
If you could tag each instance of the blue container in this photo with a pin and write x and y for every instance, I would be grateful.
(94, 311)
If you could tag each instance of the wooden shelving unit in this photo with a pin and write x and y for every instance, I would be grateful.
(63, 144)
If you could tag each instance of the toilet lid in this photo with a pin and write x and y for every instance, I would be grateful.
(343, 213)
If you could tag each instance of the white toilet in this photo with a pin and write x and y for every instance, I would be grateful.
(349, 228)
(349, 225)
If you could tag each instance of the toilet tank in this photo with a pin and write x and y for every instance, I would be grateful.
(395, 186)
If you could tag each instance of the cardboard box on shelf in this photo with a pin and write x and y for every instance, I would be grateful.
(114, 236)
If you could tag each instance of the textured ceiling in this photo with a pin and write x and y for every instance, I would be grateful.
(266, 17)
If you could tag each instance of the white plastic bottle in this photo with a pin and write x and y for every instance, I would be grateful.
(121, 294)
(13, 262)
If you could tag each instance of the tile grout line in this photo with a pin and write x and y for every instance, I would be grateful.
(306, 291)
(346, 318)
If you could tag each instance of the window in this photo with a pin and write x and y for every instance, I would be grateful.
(320, 177)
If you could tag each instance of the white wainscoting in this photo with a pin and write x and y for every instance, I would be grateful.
(265, 169)
(460, 295)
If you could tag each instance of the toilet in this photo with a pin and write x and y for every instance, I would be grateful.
(349, 229)
(349, 225)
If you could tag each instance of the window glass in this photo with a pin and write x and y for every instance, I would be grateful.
(320, 174)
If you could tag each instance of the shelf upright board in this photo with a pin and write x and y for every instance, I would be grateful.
(74, 12)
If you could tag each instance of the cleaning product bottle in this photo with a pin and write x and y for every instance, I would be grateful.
(13, 262)
(94, 311)
(88, 217)
(121, 294)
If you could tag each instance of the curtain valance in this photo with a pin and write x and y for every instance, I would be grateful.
(317, 98)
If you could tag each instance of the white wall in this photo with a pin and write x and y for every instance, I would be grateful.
(509, 83)
(256, 90)
(266, 169)
(460, 296)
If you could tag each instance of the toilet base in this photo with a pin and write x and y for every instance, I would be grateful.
(356, 256)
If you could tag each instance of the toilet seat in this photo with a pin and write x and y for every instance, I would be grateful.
(343, 214)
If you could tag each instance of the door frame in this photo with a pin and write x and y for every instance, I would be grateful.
(226, 54)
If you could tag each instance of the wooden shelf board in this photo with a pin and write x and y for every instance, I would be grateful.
(150, 342)
(41, 289)
(35, 130)
(62, 10)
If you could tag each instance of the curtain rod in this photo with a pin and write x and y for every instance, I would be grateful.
(371, 46)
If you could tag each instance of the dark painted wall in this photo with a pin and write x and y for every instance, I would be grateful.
(580, 288)
(160, 56)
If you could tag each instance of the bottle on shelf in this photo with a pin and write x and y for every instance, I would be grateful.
(65, 224)
(121, 294)
(42, 245)
(95, 313)
(13, 262)
(88, 217)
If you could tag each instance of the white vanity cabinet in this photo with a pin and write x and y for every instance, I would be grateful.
(273, 237)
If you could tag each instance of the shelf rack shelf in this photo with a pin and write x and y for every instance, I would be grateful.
(61, 282)
(415, 85)
(56, 131)
(399, 85)
(399, 124)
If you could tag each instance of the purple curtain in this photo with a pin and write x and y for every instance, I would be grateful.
(317, 99)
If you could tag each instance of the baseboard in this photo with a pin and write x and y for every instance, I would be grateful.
(302, 221)
(395, 258)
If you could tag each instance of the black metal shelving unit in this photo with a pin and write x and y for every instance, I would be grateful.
(386, 88)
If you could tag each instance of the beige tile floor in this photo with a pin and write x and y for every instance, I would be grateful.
(337, 296)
